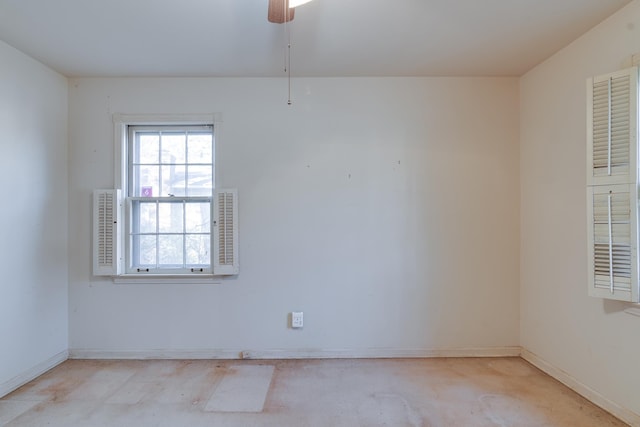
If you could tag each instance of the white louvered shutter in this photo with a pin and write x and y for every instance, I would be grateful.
(613, 241)
(612, 185)
(106, 232)
(612, 116)
(225, 233)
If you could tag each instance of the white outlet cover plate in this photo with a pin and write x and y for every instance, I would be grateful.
(297, 319)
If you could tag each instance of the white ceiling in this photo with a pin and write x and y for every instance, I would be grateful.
(329, 37)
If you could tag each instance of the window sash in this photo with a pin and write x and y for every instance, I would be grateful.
(135, 163)
(190, 229)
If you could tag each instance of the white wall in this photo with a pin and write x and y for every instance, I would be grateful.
(33, 170)
(386, 209)
(593, 341)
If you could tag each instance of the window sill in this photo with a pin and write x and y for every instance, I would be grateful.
(167, 279)
(635, 311)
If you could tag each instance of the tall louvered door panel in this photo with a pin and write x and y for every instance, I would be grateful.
(106, 232)
(225, 233)
(612, 185)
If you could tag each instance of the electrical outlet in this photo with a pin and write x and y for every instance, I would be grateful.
(297, 319)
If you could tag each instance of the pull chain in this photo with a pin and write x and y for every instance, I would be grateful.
(289, 68)
(285, 13)
(287, 54)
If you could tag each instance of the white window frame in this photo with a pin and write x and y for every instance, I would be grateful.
(227, 261)
(131, 250)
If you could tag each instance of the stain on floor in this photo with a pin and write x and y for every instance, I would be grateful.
(445, 392)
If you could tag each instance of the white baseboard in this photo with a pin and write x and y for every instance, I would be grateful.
(369, 353)
(33, 373)
(152, 354)
(588, 393)
(380, 353)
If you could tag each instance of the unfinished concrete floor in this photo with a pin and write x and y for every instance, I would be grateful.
(382, 392)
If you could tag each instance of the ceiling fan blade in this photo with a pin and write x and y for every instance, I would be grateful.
(279, 11)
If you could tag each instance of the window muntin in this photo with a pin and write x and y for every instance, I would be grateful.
(170, 182)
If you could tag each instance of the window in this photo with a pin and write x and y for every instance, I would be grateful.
(612, 185)
(167, 218)
(169, 191)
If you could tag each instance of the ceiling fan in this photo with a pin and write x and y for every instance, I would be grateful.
(281, 11)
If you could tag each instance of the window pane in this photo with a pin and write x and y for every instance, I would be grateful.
(170, 218)
(199, 182)
(147, 252)
(197, 247)
(170, 251)
(147, 215)
(147, 181)
(148, 148)
(173, 182)
(173, 148)
(200, 147)
(198, 217)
